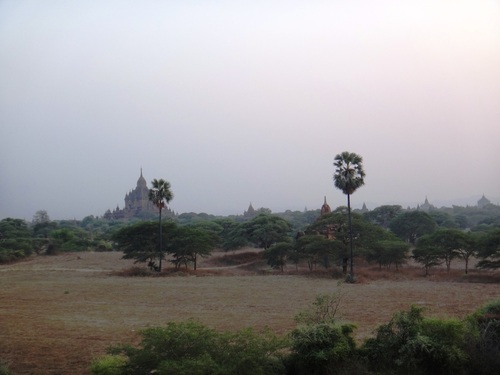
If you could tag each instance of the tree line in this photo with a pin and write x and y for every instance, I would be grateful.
(387, 236)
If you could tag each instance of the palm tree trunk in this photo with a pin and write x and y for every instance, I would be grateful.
(161, 238)
(350, 234)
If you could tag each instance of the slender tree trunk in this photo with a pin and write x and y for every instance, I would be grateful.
(161, 240)
(350, 234)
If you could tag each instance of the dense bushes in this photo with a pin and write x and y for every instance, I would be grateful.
(409, 344)
(192, 348)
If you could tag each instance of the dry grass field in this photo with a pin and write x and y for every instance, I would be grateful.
(57, 313)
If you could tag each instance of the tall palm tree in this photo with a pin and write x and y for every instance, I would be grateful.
(348, 177)
(159, 194)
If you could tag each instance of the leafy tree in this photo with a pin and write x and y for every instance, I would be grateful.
(427, 254)
(383, 215)
(190, 242)
(348, 177)
(15, 240)
(42, 225)
(443, 219)
(278, 254)
(468, 248)
(387, 252)
(410, 225)
(233, 234)
(448, 243)
(159, 194)
(489, 250)
(139, 241)
(316, 248)
(265, 230)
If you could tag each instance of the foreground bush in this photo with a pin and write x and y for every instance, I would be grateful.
(409, 344)
(192, 348)
(483, 345)
(323, 348)
(412, 344)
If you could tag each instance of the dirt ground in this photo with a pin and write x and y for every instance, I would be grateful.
(57, 313)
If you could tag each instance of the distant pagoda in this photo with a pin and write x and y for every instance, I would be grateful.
(137, 204)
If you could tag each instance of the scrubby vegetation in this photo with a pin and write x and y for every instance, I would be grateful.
(409, 343)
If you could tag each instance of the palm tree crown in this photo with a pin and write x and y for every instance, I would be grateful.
(160, 192)
(349, 174)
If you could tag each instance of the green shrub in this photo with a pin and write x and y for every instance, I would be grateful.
(412, 344)
(108, 365)
(323, 348)
(483, 345)
(192, 348)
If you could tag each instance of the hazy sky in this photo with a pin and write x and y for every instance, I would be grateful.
(246, 101)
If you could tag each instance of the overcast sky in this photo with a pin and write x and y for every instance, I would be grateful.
(246, 101)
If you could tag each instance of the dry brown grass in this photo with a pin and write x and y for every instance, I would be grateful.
(57, 313)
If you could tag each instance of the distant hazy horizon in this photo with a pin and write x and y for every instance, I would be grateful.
(238, 102)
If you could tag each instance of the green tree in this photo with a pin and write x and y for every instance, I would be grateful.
(383, 215)
(387, 252)
(427, 254)
(489, 250)
(265, 230)
(159, 194)
(278, 254)
(190, 242)
(316, 248)
(348, 177)
(140, 241)
(448, 242)
(233, 234)
(15, 240)
(410, 225)
(42, 225)
(468, 248)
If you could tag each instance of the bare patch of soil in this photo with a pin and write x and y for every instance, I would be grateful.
(57, 313)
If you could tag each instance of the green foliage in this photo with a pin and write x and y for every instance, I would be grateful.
(412, 344)
(187, 243)
(278, 254)
(108, 365)
(410, 225)
(383, 215)
(140, 241)
(483, 344)
(489, 250)
(265, 230)
(349, 174)
(387, 252)
(323, 348)
(15, 240)
(192, 348)
(426, 254)
(233, 235)
(448, 242)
